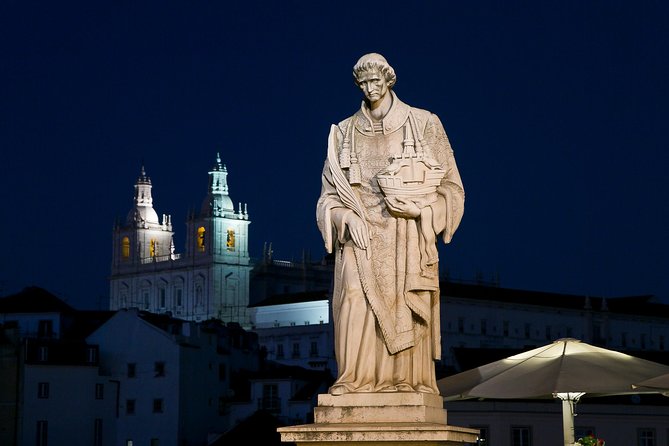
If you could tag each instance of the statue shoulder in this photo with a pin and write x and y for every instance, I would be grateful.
(343, 125)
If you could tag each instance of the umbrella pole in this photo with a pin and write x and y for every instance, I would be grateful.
(568, 402)
(568, 421)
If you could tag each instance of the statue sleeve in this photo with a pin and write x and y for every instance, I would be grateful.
(448, 212)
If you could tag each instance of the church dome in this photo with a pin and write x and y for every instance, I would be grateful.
(143, 214)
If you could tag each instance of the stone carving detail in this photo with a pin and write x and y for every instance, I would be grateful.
(390, 188)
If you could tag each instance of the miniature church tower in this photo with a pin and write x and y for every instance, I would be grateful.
(211, 280)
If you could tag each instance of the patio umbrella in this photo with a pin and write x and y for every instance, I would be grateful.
(659, 384)
(566, 369)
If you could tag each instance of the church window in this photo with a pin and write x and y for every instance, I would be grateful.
(200, 239)
(179, 296)
(231, 240)
(198, 295)
(153, 247)
(125, 247)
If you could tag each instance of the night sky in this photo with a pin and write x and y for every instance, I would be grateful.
(557, 111)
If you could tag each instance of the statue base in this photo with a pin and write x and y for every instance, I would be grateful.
(379, 419)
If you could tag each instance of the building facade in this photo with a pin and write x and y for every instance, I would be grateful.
(209, 280)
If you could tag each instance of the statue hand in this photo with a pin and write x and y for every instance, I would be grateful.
(358, 231)
(402, 207)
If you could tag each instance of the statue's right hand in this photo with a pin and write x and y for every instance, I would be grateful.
(358, 231)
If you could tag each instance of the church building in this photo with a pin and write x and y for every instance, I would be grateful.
(210, 280)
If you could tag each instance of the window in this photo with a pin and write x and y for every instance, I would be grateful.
(521, 436)
(270, 398)
(646, 437)
(313, 349)
(179, 296)
(42, 433)
(125, 248)
(43, 353)
(92, 355)
(155, 442)
(161, 297)
(461, 325)
(505, 329)
(221, 372)
(296, 349)
(484, 326)
(152, 247)
(99, 391)
(132, 370)
(230, 242)
(157, 405)
(159, 368)
(97, 432)
(42, 390)
(200, 239)
(279, 351)
(129, 407)
(45, 328)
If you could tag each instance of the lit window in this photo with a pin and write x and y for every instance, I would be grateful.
(231, 240)
(200, 239)
(152, 248)
(125, 247)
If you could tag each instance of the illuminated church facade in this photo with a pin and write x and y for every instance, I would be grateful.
(210, 280)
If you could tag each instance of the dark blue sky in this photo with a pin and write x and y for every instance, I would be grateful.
(557, 112)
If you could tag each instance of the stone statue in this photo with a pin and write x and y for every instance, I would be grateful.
(390, 188)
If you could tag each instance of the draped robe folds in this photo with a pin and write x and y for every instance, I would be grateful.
(385, 301)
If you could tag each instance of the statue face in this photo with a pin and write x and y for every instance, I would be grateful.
(373, 85)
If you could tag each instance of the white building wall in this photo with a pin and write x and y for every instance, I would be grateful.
(125, 339)
(68, 423)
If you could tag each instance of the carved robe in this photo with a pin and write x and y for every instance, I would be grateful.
(385, 299)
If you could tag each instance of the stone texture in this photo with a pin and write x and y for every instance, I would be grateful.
(388, 419)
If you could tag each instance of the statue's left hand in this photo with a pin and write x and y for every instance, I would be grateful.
(402, 207)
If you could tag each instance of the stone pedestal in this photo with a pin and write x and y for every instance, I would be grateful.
(379, 419)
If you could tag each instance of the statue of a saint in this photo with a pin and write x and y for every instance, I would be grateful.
(390, 189)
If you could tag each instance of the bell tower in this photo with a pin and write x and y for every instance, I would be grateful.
(217, 241)
(210, 280)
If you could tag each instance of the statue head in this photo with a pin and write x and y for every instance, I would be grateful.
(374, 61)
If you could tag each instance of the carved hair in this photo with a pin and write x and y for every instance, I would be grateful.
(374, 61)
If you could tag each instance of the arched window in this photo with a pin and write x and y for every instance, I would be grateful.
(231, 240)
(200, 238)
(125, 247)
(152, 247)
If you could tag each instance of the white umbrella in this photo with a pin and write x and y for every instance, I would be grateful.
(565, 369)
(659, 384)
